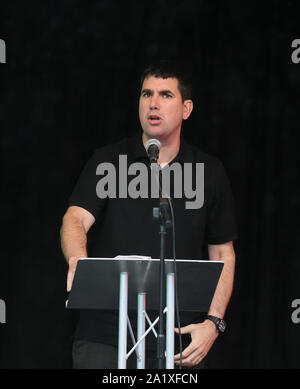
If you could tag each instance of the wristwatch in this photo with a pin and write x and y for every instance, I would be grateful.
(219, 323)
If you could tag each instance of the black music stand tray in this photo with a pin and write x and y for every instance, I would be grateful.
(102, 283)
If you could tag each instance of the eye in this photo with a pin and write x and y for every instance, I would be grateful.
(146, 94)
(167, 95)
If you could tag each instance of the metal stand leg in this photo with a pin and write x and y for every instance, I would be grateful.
(141, 330)
(123, 307)
(170, 321)
(123, 312)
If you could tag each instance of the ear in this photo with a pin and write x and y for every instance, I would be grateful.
(187, 108)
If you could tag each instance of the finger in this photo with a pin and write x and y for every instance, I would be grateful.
(188, 363)
(186, 352)
(192, 360)
(70, 280)
(184, 330)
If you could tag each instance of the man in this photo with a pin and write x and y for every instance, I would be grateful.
(124, 225)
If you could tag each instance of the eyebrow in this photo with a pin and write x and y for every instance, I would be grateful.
(161, 92)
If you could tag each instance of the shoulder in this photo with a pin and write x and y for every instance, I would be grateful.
(196, 154)
(111, 151)
(214, 172)
(113, 147)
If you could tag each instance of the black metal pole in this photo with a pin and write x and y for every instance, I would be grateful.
(163, 216)
(161, 331)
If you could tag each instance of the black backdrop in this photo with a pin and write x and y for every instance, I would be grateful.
(70, 85)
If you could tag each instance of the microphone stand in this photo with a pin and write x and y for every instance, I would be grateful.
(161, 214)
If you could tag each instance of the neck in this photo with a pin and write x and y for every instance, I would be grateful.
(169, 149)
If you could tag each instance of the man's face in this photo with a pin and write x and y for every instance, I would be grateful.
(161, 109)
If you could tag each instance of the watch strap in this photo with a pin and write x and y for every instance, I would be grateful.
(219, 323)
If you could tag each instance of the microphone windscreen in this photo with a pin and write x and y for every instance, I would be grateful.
(151, 142)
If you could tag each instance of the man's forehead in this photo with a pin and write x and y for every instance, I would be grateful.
(153, 82)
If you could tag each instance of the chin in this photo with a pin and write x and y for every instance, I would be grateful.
(154, 132)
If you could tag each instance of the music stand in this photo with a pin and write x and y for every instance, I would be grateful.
(102, 283)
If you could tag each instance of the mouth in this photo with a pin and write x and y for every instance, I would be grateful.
(154, 120)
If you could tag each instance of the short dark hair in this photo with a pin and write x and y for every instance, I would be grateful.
(171, 69)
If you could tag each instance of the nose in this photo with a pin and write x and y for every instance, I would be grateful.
(154, 103)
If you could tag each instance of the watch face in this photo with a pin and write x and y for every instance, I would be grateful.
(222, 325)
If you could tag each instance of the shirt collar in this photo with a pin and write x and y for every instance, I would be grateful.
(137, 151)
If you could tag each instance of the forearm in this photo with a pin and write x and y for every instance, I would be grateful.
(73, 238)
(225, 285)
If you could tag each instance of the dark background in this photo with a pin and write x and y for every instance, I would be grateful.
(70, 85)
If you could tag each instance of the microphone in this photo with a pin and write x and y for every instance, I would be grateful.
(152, 147)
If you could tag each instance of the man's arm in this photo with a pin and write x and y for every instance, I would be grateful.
(222, 252)
(204, 334)
(76, 223)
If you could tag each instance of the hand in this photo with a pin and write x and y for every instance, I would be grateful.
(203, 336)
(71, 272)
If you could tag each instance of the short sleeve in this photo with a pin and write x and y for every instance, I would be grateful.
(84, 194)
(221, 221)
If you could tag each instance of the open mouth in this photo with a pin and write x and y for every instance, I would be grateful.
(154, 119)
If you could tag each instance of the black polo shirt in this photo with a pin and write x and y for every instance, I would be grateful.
(124, 226)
